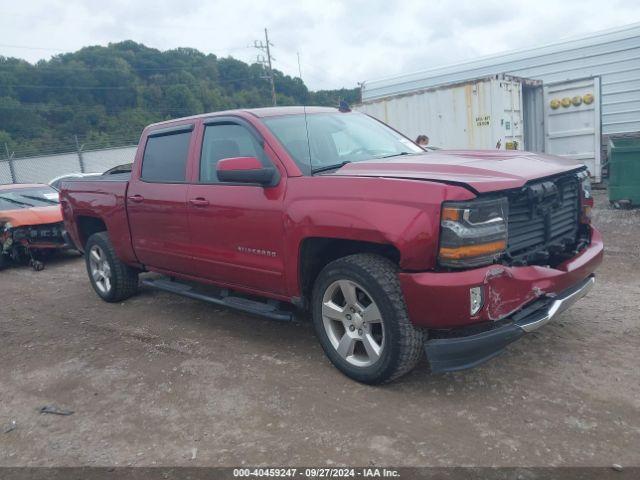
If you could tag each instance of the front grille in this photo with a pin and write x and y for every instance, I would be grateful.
(544, 218)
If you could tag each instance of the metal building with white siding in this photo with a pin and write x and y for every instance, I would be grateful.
(605, 65)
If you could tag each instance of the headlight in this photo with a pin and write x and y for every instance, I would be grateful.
(586, 202)
(585, 182)
(472, 233)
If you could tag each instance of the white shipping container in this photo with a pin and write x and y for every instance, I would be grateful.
(518, 113)
(477, 114)
(603, 65)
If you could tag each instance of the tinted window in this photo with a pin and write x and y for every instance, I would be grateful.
(165, 158)
(227, 141)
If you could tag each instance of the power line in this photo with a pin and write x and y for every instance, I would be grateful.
(67, 49)
(31, 48)
(62, 67)
(87, 109)
(124, 87)
(83, 87)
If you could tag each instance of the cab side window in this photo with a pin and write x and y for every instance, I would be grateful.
(165, 158)
(226, 141)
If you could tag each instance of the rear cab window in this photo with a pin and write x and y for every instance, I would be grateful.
(165, 155)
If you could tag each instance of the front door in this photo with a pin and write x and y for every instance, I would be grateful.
(236, 230)
(572, 121)
(157, 202)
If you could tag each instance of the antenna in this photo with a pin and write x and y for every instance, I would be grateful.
(306, 126)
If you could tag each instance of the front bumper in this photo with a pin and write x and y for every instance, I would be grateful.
(440, 300)
(19, 240)
(468, 350)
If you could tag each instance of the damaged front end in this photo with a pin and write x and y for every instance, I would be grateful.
(509, 263)
(31, 243)
(31, 224)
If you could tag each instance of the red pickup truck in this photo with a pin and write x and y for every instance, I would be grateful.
(394, 251)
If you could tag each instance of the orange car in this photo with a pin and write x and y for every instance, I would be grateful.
(30, 223)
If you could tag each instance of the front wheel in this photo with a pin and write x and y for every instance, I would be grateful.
(361, 319)
(111, 279)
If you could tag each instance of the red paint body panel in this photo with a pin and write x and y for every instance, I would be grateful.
(159, 223)
(441, 300)
(239, 163)
(237, 237)
(484, 171)
(103, 200)
(249, 237)
(402, 213)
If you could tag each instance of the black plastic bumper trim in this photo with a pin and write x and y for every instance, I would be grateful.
(461, 352)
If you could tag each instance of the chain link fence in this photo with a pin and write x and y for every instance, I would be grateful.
(44, 168)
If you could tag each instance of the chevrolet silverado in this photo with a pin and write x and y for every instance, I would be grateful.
(392, 250)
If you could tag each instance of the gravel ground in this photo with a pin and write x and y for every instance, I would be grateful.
(163, 380)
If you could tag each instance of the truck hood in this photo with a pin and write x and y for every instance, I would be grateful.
(481, 170)
(21, 217)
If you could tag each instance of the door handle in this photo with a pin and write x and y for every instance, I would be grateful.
(136, 198)
(199, 202)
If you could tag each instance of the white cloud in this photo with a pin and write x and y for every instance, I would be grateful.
(340, 42)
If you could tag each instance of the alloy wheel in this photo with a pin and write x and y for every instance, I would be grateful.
(100, 269)
(353, 323)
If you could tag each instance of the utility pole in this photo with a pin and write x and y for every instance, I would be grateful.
(10, 156)
(266, 62)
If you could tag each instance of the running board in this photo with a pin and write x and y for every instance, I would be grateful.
(269, 310)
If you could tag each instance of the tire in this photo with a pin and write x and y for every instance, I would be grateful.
(396, 342)
(4, 260)
(111, 279)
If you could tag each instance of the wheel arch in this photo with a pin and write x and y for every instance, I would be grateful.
(317, 252)
(87, 226)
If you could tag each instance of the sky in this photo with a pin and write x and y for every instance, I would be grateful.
(340, 43)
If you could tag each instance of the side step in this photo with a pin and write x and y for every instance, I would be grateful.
(269, 310)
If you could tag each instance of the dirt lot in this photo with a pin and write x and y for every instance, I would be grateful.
(163, 380)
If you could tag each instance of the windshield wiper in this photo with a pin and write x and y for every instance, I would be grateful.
(330, 167)
(41, 199)
(397, 154)
(17, 202)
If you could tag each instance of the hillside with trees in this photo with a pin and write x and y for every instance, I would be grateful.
(106, 95)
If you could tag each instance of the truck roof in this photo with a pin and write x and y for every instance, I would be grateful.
(257, 112)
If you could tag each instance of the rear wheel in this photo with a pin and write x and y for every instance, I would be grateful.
(111, 279)
(361, 319)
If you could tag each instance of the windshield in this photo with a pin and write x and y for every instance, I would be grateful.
(28, 198)
(319, 141)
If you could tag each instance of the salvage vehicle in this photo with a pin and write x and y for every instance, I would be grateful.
(31, 224)
(394, 251)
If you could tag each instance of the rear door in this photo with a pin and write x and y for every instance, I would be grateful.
(572, 121)
(237, 230)
(157, 201)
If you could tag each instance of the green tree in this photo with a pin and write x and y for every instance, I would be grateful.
(106, 95)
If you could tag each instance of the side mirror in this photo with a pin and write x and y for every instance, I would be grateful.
(245, 170)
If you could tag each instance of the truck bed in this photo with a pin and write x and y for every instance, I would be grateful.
(98, 201)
